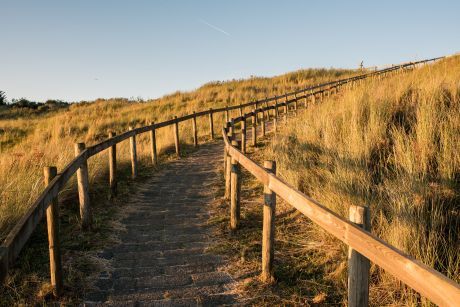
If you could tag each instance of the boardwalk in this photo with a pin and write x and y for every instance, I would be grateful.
(161, 259)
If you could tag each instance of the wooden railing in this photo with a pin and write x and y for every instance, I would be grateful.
(47, 201)
(363, 245)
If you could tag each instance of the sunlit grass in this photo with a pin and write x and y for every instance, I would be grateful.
(391, 145)
(31, 141)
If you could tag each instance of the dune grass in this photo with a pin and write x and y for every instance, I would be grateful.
(30, 142)
(393, 146)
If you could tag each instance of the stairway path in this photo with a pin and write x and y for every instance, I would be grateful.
(161, 257)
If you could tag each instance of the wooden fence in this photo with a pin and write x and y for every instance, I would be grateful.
(55, 182)
(355, 232)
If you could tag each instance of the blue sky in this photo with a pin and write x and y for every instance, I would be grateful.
(85, 49)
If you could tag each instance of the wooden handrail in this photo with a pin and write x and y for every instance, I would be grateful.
(21, 232)
(427, 281)
(420, 277)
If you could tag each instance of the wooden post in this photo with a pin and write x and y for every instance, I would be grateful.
(195, 131)
(211, 124)
(52, 221)
(153, 144)
(235, 183)
(112, 168)
(241, 110)
(295, 105)
(243, 135)
(262, 123)
(176, 136)
(358, 265)
(227, 116)
(266, 113)
(228, 173)
(268, 232)
(132, 142)
(275, 120)
(305, 100)
(231, 131)
(276, 108)
(286, 107)
(225, 160)
(254, 128)
(267, 110)
(83, 189)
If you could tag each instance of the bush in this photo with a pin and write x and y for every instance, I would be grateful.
(2, 98)
(24, 103)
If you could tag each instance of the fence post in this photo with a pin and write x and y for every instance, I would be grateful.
(112, 168)
(243, 135)
(228, 173)
(235, 182)
(305, 99)
(231, 131)
(83, 187)
(267, 112)
(195, 131)
(295, 104)
(358, 265)
(254, 128)
(276, 108)
(286, 108)
(132, 143)
(262, 123)
(52, 221)
(153, 144)
(211, 124)
(225, 160)
(176, 136)
(268, 232)
(241, 110)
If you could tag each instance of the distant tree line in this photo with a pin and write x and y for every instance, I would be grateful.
(25, 103)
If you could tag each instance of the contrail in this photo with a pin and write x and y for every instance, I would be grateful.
(214, 27)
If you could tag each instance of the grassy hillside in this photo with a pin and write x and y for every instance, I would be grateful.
(391, 145)
(32, 139)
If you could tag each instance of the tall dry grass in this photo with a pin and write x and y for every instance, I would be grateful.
(29, 142)
(391, 145)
